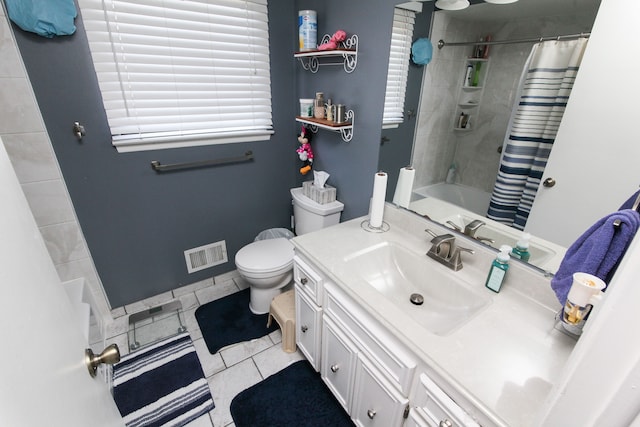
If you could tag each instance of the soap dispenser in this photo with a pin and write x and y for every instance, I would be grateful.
(499, 268)
(521, 251)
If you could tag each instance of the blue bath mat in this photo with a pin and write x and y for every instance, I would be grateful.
(162, 384)
(295, 396)
(228, 320)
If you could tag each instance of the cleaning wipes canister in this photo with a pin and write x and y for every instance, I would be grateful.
(307, 30)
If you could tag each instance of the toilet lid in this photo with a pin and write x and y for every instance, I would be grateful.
(265, 255)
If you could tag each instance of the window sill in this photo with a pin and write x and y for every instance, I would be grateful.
(149, 144)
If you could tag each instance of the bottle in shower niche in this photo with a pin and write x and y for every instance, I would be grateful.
(468, 75)
(318, 106)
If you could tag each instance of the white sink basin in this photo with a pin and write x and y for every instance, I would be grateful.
(397, 273)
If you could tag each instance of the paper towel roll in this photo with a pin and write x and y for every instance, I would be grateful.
(377, 200)
(402, 196)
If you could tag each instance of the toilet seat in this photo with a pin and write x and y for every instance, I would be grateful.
(266, 256)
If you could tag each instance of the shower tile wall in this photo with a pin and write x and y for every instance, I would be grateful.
(475, 152)
(27, 143)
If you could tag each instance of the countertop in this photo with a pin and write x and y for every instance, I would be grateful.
(503, 361)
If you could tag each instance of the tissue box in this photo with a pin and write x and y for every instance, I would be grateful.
(319, 195)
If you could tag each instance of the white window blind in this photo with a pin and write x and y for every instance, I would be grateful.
(181, 72)
(399, 57)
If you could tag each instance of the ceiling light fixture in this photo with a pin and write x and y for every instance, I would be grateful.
(500, 1)
(452, 4)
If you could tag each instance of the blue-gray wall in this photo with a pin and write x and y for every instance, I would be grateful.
(137, 223)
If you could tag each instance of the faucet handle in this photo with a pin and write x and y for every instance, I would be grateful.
(471, 228)
(484, 239)
(442, 245)
(454, 226)
(456, 259)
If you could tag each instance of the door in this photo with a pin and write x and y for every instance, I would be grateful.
(45, 381)
(594, 161)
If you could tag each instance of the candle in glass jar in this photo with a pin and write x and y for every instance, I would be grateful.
(318, 106)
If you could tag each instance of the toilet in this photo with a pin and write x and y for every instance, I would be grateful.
(267, 265)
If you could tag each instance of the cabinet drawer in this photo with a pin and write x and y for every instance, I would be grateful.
(376, 403)
(338, 362)
(308, 323)
(379, 344)
(416, 419)
(308, 279)
(438, 407)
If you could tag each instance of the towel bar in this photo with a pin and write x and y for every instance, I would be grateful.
(156, 166)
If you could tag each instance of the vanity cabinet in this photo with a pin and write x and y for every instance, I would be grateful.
(308, 301)
(339, 355)
(432, 407)
(376, 402)
(368, 370)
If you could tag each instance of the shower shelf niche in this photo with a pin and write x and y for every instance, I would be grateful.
(470, 94)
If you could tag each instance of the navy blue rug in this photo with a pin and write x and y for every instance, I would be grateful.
(162, 384)
(293, 397)
(228, 320)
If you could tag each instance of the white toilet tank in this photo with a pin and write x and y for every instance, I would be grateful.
(310, 216)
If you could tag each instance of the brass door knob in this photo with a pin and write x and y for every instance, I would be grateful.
(110, 356)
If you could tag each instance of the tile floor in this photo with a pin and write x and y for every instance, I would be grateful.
(229, 371)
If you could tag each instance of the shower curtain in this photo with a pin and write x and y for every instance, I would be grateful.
(545, 85)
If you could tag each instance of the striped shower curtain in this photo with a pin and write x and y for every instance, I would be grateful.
(545, 86)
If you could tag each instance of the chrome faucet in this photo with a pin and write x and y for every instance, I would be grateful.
(445, 251)
(471, 229)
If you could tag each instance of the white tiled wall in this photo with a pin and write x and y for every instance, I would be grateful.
(25, 139)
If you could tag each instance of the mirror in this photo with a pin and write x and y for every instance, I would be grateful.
(456, 168)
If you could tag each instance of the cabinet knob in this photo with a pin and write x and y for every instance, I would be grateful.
(445, 423)
(335, 368)
(304, 280)
(549, 182)
(371, 413)
(304, 328)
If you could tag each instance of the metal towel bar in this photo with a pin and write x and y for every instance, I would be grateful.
(156, 166)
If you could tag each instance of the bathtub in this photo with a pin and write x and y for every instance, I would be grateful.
(469, 198)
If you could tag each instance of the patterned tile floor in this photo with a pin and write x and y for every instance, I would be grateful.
(229, 371)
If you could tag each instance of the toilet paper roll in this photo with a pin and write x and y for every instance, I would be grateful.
(402, 196)
(377, 200)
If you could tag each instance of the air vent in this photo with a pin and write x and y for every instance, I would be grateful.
(206, 256)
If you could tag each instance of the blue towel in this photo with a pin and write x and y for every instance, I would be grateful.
(598, 251)
(421, 51)
(46, 18)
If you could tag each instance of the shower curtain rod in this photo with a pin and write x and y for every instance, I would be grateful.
(442, 43)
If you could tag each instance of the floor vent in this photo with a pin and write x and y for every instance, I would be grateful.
(206, 256)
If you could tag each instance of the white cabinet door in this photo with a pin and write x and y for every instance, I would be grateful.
(308, 324)
(376, 403)
(437, 407)
(339, 356)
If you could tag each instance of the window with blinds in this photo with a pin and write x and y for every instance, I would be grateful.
(177, 73)
(399, 56)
